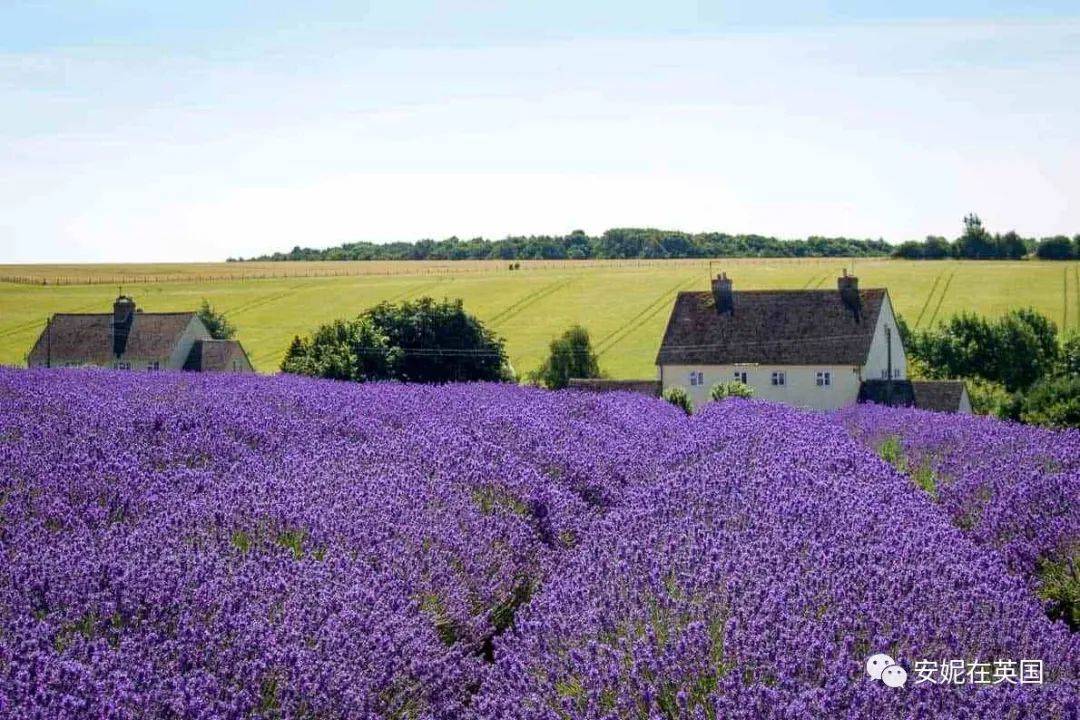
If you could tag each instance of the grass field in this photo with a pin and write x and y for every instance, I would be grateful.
(624, 304)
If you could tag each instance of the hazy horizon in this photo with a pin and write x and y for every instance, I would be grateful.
(216, 130)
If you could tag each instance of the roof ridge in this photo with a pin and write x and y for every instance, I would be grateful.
(140, 312)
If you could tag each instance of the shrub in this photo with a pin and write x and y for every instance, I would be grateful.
(1054, 402)
(417, 341)
(1056, 248)
(216, 323)
(734, 388)
(990, 398)
(571, 356)
(678, 397)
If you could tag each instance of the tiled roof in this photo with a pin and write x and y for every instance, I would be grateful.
(213, 355)
(940, 395)
(773, 327)
(89, 337)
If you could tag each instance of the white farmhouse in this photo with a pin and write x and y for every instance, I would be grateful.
(819, 349)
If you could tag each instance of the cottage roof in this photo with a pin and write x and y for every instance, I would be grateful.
(771, 327)
(938, 395)
(88, 337)
(213, 355)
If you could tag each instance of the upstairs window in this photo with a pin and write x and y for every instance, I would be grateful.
(824, 378)
(696, 378)
(779, 379)
(740, 376)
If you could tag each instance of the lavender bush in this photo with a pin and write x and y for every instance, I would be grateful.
(754, 581)
(1014, 488)
(193, 546)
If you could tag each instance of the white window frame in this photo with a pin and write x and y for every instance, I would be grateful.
(696, 378)
(153, 365)
(824, 378)
(779, 378)
(741, 376)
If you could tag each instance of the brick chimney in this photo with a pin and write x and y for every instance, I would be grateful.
(722, 295)
(848, 285)
(123, 315)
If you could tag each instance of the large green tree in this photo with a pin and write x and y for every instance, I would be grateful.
(422, 341)
(1016, 350)
(343, 350)
(570, 356)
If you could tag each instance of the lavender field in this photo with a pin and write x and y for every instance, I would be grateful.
(184, 546)
(1013, 489)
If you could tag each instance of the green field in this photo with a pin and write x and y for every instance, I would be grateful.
(624, 304)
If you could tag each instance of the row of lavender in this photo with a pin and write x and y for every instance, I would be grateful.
(179, 546)
(1012, 488)
(186, 546)
(755, 580)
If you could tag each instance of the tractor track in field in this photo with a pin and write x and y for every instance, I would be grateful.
(929, 299)
(941, 298)
(33, 324)
(617, 336)
(811, 283)
(820, 281)
(1065, 299)
(524, 303)
(261, 301)
(409, 292)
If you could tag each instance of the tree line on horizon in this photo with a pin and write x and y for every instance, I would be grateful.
(614, 244)
(976, 243)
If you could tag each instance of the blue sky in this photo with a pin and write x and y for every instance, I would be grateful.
(218, 129)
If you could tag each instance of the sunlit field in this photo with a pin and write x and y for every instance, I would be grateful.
(624, 304)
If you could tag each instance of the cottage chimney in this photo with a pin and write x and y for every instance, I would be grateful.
(123, 315)
(722, 295)
(849, 293)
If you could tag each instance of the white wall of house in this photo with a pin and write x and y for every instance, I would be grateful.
(877, 359)
(195, 330)
(800, 385)
(965, 402)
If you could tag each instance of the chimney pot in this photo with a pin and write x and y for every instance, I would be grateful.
(123, 315)
(723, 296)
(848, 285)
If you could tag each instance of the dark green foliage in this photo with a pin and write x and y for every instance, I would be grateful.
(216, 323)
(1069, 356)
(719, 391)
(678, 397)
(1015, 350)
(414, 341)
(991, 398)
(976, 243)
(344, 350)
(1056, 248)
(1054, 402)
(440, 342)
(616, 243)
(571, 356)
(1060, 584)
